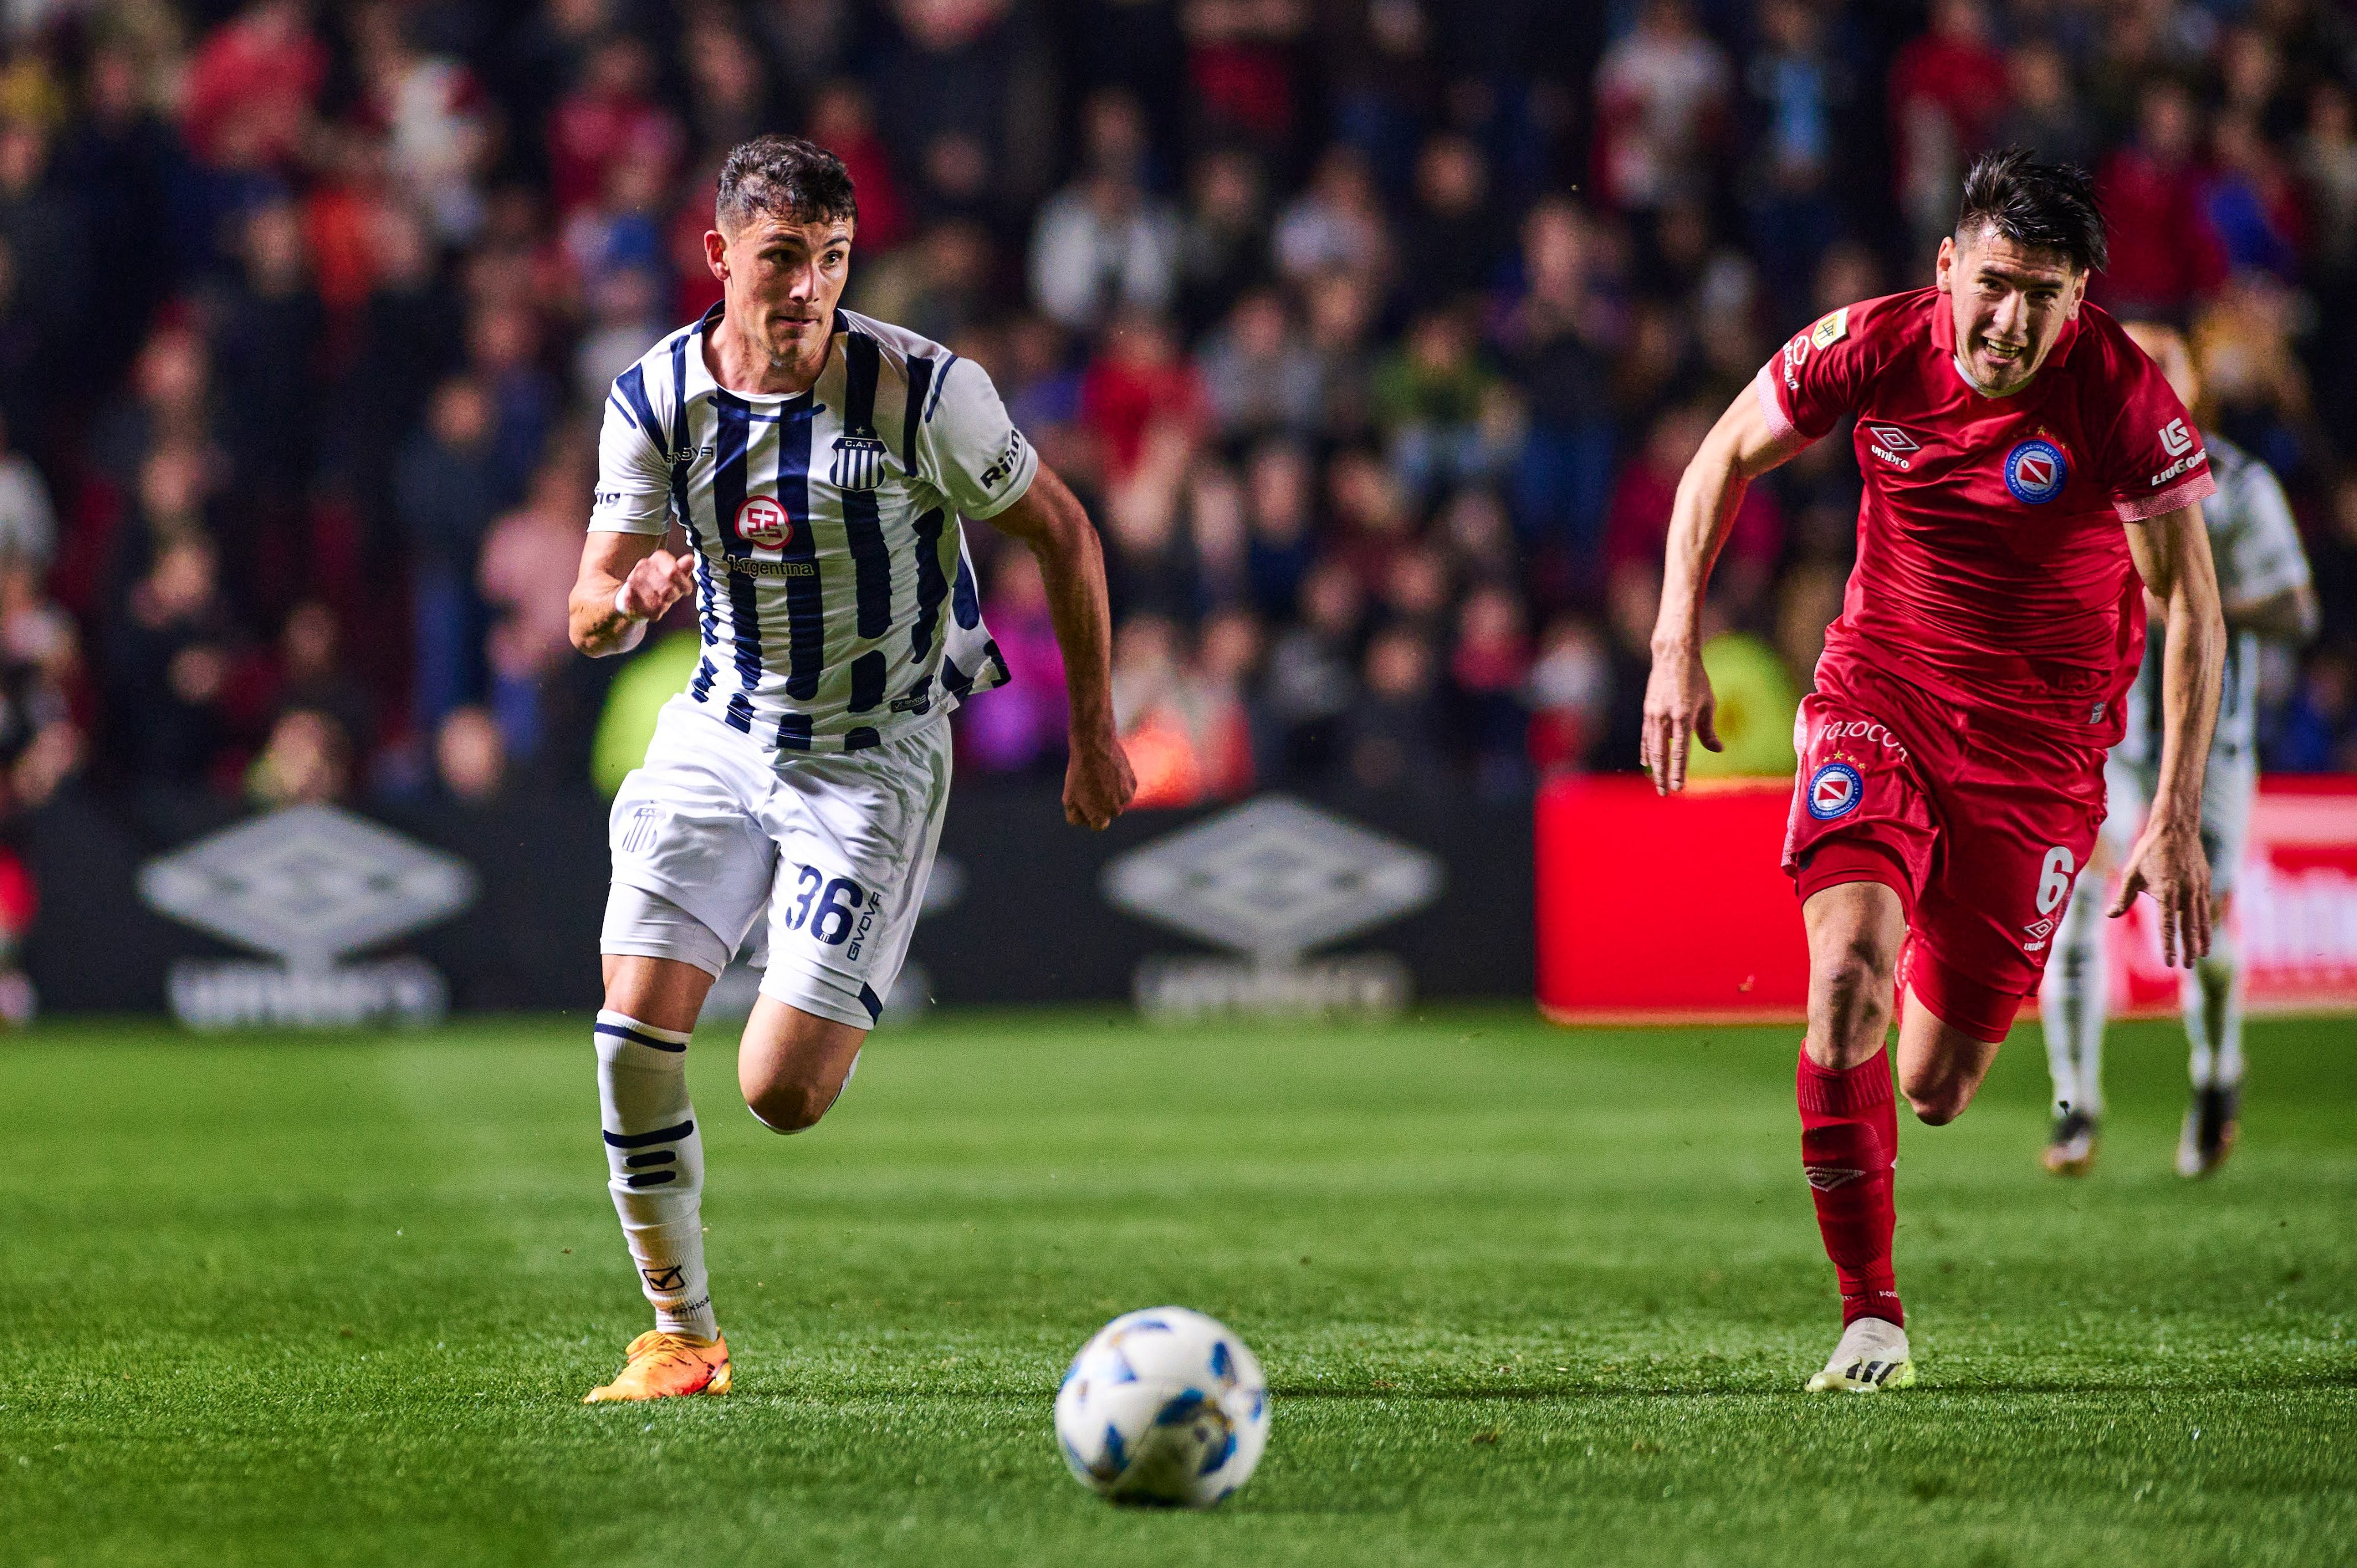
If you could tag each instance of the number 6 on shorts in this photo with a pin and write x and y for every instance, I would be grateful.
(2054, 879)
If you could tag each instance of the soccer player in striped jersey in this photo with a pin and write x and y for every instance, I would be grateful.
(2265, 590)
(816, 464)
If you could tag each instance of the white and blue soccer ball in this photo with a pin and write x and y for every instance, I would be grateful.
(1163, 1406)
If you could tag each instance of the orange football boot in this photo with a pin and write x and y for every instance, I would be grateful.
(660, 1365)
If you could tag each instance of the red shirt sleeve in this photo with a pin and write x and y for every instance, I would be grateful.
(1818, 377)
(2152, 459)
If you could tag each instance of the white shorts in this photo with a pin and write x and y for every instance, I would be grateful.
(2229, 786)
(836, 846)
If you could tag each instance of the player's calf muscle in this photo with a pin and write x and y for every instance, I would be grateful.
(793, 1065)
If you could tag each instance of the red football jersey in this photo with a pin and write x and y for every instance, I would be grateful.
(1992, 566)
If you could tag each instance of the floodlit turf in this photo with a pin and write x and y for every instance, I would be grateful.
(1524, 1295)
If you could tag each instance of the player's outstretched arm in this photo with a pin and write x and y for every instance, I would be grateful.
(626, 581)
(1740, 447)
(1051, 521)
(2172, 554)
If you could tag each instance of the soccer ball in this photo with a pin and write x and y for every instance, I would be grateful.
(1163, 1406)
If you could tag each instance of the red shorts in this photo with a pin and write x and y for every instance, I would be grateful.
(1976, 820)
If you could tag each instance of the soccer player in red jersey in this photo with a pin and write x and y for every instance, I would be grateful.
(2028, 473)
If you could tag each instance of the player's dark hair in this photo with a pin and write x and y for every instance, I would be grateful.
(784, 176)
(2038, 205)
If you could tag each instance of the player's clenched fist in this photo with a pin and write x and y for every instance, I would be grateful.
(1679, 708)
(1097, 784)
(654, 585)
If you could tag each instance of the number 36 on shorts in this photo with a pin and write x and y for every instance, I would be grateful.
(835, 912)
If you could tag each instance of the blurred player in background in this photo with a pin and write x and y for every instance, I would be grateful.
(818, 463)
(2262, 583)
(2024, 465)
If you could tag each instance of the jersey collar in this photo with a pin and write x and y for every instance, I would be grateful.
(695, 376)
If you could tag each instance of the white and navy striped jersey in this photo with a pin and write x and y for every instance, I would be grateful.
(832, 584)
(2257, 546)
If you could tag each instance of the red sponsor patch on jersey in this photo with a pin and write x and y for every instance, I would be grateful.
(761, 521)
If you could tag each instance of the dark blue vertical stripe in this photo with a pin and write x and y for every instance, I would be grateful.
(805, 595)
(708, 608)
(867, 674)
(862, 365)
(731, 442)
(677, 437)
(794, 732)
(920, 380)
(933, 583)
(871, 562)
(863, 525)
(966, 602)
(632, 384)
(941, 379)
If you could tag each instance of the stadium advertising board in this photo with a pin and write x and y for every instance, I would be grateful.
(310, 886)
(1347, 904)
(1655, 910)
(1270, 880)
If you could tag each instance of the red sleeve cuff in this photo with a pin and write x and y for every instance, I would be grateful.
(2144, 508)
(1764, 383)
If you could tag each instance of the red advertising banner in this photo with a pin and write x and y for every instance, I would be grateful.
(1654, 911)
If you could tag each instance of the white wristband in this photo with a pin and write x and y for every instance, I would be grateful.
(638, 627)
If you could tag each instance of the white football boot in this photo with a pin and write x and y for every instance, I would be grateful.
(1872, 1354)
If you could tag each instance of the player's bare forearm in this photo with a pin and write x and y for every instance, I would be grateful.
(2290, 617)
(626, 581)
(1679, 705)
(1052, 522)
(2172, 554)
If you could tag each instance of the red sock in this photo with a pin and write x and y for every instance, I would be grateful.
(1849, 1139)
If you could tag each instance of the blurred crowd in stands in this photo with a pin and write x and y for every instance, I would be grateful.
(1376, 334)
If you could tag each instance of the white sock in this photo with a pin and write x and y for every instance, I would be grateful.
(656, 1158)
(2075, 1001)
(2212, 993)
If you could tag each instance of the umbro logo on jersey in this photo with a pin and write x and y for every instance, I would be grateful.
(858, 462)
(1891, 444)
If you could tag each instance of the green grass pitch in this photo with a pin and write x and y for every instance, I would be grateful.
(1524, 1295)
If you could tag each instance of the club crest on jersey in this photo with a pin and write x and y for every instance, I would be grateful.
(858, 462)
(2036, 471)
(761, 521)
(1834, 790)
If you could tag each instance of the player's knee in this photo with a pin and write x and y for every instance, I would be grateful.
(1935, 1102)
(1857, 978)
(788, 1106)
